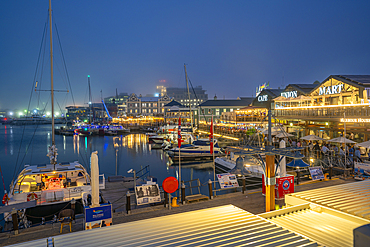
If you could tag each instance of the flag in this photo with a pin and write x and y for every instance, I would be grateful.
(179, 134)
(211, 137)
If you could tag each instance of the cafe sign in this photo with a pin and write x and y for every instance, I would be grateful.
(354, 120)
(334, 89)
(262, 98)
(291, 94)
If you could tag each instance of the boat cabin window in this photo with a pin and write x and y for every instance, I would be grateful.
(49, 181)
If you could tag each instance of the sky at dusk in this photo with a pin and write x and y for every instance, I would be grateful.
(230, 47)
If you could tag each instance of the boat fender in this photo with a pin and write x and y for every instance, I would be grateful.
(5, 199)
(32, 196)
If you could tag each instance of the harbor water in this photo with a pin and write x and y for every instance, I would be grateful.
(29, 144)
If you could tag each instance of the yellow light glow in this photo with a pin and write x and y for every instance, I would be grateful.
(321, 106)
(218, 135)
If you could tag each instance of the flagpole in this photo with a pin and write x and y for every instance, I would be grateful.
(213, 156)
(179, 146)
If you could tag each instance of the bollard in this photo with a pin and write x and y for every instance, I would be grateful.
(243, 182)
(210, 189)
(298, 177)
(183, 193)
(169, 200)
(15, 221)
(128, 202)
(165, 199)
(50, 242)
(73, 207)
(330, 171)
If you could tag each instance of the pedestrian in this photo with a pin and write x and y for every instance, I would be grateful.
(358, 155)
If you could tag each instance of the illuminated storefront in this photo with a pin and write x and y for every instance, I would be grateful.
(338, 100)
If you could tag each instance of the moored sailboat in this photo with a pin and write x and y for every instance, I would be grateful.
(53, 186)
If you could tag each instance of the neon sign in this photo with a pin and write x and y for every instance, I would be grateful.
(331, 89)
(291, 94)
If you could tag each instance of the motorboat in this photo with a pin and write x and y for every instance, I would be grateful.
(200, 148)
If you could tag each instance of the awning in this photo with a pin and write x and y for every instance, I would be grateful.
(298, 163)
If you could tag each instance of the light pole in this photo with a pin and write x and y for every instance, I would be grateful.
(134, 172)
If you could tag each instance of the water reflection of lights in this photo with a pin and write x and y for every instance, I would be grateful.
(76, 144)
(85, 142)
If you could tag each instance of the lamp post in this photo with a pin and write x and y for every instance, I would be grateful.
(134, 172)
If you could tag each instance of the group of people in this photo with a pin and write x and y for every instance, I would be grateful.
(330, 149)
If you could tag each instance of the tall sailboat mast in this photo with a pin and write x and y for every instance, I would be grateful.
(187, 85)
(51, 77)
(90, 103)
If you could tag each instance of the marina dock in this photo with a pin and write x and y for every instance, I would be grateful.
(252, 201)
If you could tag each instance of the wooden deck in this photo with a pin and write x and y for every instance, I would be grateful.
(196, 198)
(115, 192)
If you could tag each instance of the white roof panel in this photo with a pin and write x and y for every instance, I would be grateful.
(219, 226)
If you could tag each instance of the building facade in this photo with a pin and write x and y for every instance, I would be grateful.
(146, 106)
(336, 107)
(197, 95)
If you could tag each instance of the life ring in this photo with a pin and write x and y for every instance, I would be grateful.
(32, 196)
(5, 199)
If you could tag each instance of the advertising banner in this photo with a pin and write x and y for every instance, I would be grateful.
(316, 173)
(98, 216)
(227, 180)
(147, 193)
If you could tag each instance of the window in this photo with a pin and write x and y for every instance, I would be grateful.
(195, 113)
(209, 111)
(143, 104)
(135, 110)
(224, 110)
(135, 105)
(154, 104)
(155, 110)
(217, 112)
(231, 110)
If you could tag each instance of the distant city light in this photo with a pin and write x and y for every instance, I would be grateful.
(25, 111)
(20, 113)
(11, 113)
(57, 114)
(156, 95)
(35, 111)
(48, 113)
(88, 75)
(162, 80)
(90, 103)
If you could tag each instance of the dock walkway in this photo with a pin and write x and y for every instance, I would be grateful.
(252, 201)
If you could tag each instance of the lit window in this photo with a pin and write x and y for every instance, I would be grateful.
(231, 110)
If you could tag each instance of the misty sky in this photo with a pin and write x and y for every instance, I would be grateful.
(230, 47)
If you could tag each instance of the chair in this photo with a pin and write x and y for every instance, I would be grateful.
(65, 217)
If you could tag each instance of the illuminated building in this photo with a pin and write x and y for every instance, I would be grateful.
(181, 95)
(146, 106)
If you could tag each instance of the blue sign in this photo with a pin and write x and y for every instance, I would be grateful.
(98, 213)
(316, 173)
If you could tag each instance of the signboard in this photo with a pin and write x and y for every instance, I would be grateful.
(227, 180)
(291, 94)
(98, 216)
(262, 98)
(334, 89)
(316, 173)
(147, 193)
(362, 169)
(284, 186)
(354, 120)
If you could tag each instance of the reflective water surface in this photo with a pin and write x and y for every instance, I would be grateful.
(22, 145)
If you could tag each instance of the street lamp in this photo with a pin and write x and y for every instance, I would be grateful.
(134, 172)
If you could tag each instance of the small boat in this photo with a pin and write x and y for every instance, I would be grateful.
(198, 149)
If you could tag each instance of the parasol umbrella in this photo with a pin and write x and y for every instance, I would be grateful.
(341, 140)
(283, 134)
(312, 138)
(298, 163)
(364, 144)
